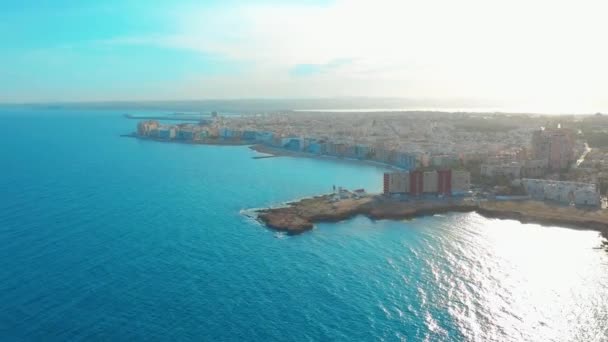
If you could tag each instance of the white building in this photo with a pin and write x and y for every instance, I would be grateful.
(563, 192)
(511, 170)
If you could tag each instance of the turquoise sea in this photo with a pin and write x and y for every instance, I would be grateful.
(110, 238)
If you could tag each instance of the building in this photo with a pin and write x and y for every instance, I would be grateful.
(444, 161)
(248, 135)
(384, 156)
(561, 191)
(555, 145)
(397, 183)
(185, 132)
(362, 151)
(424, 160)
(227, 133)
(405, 160)
(315, 147)
(292, 144)
(201, 135)
(145, 127)
(341, 149)
(358, 193)
(264, 137)
(213, 132)
(153, 133)
(461, 182)
(330, 149)
(415, 183)
(511, 170)
(444, 182)
(430, 182)
(350, 151)
(535, 168)
(167, 132)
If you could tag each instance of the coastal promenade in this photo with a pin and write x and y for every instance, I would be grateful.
(267, 151)
(281, 152)
(298, 217)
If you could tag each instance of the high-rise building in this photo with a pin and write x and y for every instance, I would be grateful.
(415, 183)
(444, 182)
(555, 145)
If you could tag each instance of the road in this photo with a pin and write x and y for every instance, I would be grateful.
(582, 158)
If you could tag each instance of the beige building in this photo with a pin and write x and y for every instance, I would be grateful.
(399, 182)
(535, 168)
(145, 127)
(444, 182)
(429, 182)
(510, 170)
(555, 145)
(461, 182)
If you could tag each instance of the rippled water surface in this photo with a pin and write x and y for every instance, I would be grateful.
(111, 238)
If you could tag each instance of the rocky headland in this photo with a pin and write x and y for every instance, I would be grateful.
(298, 217)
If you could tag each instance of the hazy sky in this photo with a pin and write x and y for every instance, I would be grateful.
(533, 52)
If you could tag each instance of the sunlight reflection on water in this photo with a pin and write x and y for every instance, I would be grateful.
(508, 282)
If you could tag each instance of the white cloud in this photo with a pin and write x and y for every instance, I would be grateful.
(528, 50)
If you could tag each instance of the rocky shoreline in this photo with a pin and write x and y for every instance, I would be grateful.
(298, 217)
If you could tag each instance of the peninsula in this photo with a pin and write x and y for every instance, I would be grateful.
(298, 217)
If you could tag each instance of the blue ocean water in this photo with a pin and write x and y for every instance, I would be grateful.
(110, 238)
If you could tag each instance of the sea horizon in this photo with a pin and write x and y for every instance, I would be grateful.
(329, 105)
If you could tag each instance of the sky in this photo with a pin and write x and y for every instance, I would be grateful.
(545, 53)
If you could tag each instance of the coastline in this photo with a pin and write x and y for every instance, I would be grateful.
(208, 141)
(301, 216)
(270, 152)
(298, 216)
(279, 152)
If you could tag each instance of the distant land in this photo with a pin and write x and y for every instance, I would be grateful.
(245, 106)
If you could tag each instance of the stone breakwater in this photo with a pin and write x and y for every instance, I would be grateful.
(298, 217)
